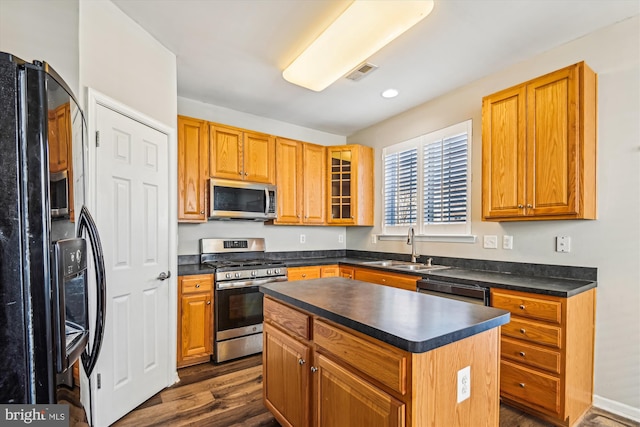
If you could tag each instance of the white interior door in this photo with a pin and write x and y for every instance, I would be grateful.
(132, 213)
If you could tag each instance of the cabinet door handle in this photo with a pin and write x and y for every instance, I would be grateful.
(201, 212)
(529, 205)
(208, 302)
(314, 369)
(522, 307)
(301, 361)
(246, 173)
(521, 385)
(523, 331)
(522, 353)
(520, 206)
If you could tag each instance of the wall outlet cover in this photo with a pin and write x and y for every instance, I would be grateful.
(464, 384)
(507, 242)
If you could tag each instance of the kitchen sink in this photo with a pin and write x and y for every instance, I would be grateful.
(386, 263)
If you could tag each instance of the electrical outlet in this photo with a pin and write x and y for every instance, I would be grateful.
(303, 238)
(340, 238)
(464, 384)
(374, 239)
(507, 242)
(563, 244)
(490, 242)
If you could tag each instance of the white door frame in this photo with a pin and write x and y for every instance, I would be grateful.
(95, 98)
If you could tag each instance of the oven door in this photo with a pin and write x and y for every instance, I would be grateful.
(238, 312)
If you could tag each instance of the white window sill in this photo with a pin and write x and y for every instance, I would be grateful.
(448, 238)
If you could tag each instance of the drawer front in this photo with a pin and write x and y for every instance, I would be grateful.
(197, 283)
(535, 332)
(303, 273)
(373, 358)
(395, 280)
(290, 319)
(532, 388)
(529, 307)
(531, 355)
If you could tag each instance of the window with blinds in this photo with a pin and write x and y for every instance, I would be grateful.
(427, 185)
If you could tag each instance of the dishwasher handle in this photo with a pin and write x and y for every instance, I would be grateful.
(455, 289)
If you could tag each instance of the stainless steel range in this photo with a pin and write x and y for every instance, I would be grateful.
(240, 268)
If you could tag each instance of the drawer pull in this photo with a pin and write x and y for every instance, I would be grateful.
(301, 361)
(521, 385)
(197, 285)
(523, 331)
(522, 307)
(522, 353)
(304, 275)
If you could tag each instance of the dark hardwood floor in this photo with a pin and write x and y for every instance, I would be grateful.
(230, 394)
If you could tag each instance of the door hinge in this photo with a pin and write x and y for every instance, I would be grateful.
(97, 138)
(99, 381)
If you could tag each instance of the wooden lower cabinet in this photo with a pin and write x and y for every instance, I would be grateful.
(345, 399)
(195, 319)
(547, 358)
(402, 281)
(347, 272)
(321, 374)
(312, 272)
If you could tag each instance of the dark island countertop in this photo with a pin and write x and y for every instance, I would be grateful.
(408, 320)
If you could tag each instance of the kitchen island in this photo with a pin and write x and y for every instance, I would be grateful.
(341, 352)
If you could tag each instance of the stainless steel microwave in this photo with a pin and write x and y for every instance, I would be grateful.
(230, 199)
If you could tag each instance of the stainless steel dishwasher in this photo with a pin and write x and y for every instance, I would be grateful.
(474, 294)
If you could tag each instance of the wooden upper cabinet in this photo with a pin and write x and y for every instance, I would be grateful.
(193, 163)
(350, 185)
(241, 155)
(301, 182)
(59, 138)
(539, 148)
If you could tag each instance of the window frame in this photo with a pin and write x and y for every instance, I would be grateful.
(421, 228)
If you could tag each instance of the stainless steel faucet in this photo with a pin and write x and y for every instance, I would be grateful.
(411, 240)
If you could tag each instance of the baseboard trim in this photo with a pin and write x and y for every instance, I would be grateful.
(617, 408)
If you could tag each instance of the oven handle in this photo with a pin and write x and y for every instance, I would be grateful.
(247, 283)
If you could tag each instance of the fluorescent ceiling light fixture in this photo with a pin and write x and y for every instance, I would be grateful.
(389, 93)
(364, 27)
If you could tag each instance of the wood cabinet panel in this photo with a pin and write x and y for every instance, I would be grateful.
(59, 132)
(344, 399)
(286, 377)
(329, 271)
(314, 184)
(303, 273)
(193, 169)
(195, 319)
(402, 281)
(539, 148)
(259, 157)
(533, 331)
(374, 358)
(290, 319)
(347, 272)
(531, 387)
(531, 355)
(529, 306)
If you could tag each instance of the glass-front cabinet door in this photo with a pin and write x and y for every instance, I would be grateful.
(350, 185)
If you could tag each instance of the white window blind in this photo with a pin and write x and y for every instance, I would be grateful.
(427, 183)
(401, 187)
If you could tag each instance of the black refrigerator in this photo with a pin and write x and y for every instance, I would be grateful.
(52, 284)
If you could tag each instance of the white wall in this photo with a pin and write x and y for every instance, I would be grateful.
(46, 30)
(277, 237)
(611, 243)
(123, 61)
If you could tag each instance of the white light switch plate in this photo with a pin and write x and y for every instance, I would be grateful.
(490, 242)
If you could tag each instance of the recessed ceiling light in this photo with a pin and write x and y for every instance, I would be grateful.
(389, 93)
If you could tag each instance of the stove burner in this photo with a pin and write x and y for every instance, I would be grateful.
(237, 264)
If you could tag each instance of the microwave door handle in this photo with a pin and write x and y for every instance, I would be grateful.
(267, 208)
(85, 221)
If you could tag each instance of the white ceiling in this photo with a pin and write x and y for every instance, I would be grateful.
(231, 53)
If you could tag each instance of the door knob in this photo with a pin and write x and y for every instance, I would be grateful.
(164, 276)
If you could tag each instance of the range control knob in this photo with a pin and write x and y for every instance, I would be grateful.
(254, 273)
(237, 275)
(228, 275)
(277, 271)
(269, 272)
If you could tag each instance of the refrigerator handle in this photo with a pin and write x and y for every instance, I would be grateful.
(86, 222)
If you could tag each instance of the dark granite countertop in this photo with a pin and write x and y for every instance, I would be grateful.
(554, 286)
(408, 320)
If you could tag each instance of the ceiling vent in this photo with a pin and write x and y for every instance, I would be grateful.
(361, 71)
